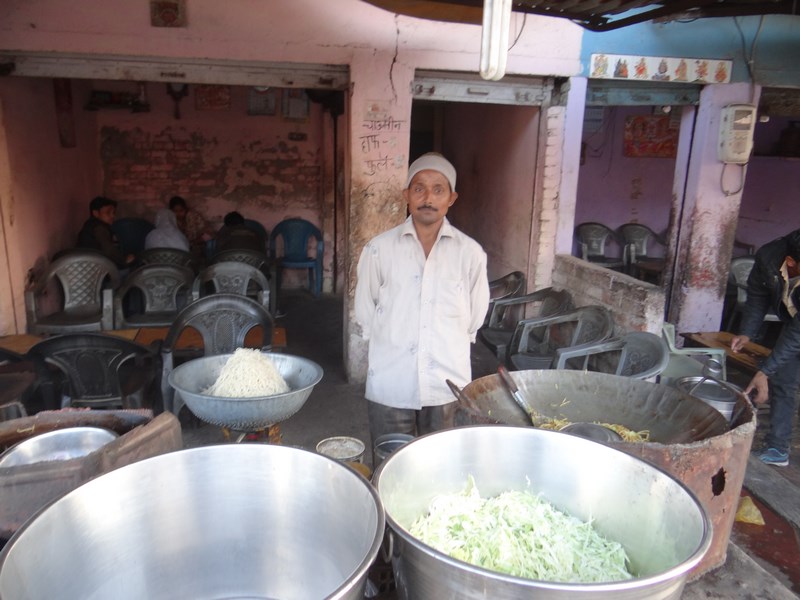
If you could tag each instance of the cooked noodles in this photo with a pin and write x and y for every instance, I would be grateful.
(247, 374)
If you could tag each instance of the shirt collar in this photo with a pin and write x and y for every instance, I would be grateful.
(446, 230)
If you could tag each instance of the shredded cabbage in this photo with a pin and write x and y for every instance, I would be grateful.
(520, 534)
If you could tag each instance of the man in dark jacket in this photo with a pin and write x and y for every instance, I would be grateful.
(96, 233)
(236, 235)
(774, 283)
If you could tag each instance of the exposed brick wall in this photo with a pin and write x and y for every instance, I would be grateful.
(266, 167)
(637, 306)
(545, 240)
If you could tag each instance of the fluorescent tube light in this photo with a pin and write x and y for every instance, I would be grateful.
(494, 38)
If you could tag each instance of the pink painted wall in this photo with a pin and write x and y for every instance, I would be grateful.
(48, 187)
(614, 189)
(494, 150)
(219, 160)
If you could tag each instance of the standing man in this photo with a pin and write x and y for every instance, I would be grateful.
(96, 233)
(422, 294)
(774, 283)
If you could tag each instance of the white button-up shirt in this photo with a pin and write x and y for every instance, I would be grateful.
(420, 315)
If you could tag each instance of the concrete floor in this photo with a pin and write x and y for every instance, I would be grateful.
(336, 407)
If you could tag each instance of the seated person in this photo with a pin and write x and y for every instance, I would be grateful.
(235, 235)
(191, 223)
(96, 233)
(166, 233)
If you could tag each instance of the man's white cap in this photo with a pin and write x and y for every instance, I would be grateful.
(433, 161)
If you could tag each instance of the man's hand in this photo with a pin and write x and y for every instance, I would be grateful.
(738, 342)
(759, 383)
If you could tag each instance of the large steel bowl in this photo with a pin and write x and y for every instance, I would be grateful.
(229, 521)
(244, 414)
(661, 524)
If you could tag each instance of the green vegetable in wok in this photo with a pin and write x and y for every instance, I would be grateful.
(520, 534)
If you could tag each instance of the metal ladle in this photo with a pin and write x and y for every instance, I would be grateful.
(516, 395)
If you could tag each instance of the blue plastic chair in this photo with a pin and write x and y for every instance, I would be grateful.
(296, 234)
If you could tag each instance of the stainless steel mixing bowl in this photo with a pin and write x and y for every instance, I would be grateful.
(245, 414)
(229, 521)
(661, 524)
(61, 444)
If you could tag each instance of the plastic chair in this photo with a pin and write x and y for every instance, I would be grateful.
(165, 289)
(687, 362)
(535, 341)
(232, 277)
(99, 370)
(592, 239)
(87, 280)
(296, 234)
(508, 286)
(259, 229)
(737, 277)
(638, 355)
(507, 312)
(166, 256)
(223, 321)
(249, 257)
(131, 233)
(638, 239)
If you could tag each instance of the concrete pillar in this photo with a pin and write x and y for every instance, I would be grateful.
(379, 143)
(709, 217)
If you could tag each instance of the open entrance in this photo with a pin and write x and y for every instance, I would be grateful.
(262, 139)
(491, 133)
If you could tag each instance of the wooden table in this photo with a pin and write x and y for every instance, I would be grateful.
(748, 359)
(189, 338)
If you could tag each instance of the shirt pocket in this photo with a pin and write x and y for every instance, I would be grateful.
(451, 299)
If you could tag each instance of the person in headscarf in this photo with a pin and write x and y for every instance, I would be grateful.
(166, 233)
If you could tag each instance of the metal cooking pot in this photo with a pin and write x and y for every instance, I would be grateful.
(229, 521)
(661, 524)
(719, 395)
(669, 415)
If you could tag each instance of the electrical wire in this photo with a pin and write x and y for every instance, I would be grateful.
(516, 39)
(743, 172)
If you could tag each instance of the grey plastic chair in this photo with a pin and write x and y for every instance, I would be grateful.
(165, 289)
(638, 355)
(259, 261)
(639, 240)
(166, 256)
(87, 281)
(232, 278)
(508, 286)
(593, 239)
(687, 362)
(738, 274)
(98, 370)
(223, 321)
(535, 341)
(506, 313)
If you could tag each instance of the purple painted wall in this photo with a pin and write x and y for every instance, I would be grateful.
(772, 187)
(614, 189)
